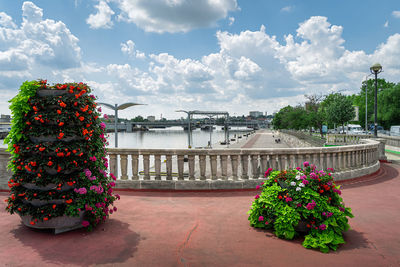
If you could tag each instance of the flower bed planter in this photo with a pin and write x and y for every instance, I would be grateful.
(58, 158)
(302, 201)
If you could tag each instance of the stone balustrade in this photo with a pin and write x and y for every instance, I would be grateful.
(391, 140)
(193, 169)
(345, 139)
(232, 168)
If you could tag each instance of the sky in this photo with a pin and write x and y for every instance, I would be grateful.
(215, 55)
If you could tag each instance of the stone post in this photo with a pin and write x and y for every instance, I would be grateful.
(157, 166)
(381, 148)
(135, 166)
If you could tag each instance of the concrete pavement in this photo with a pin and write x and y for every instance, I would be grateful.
(210, 229)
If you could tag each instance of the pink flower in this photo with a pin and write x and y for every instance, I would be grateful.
(85, 223)
(115, 208)
(298, 168)
(87, 207)
(99, 109)
(257, 197)
(305, 182)
(105, 116)
(257, 187)
(261, 218)
(102, 125)
(298, 205)
(112, 184)
(113, 176)
(288, 199)
(117, 196)
(87, 172)
(267, 222)
(267, 172)
(93, 158)
(311, 206)
(306, 164)
(322, 227)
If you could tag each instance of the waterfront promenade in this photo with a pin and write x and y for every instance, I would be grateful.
(175, 228)
(210, 229)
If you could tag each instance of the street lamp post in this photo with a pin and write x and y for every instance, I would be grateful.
(375, 69)
(117, 107)
(366, 102)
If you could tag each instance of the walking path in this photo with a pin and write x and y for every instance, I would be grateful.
(210, 229)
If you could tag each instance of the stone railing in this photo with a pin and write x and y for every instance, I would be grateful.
(193, 169)
(391, 140)
(233, 168)
(345, 139)
(300, 139)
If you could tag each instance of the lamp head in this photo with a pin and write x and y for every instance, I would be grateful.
(376, 68)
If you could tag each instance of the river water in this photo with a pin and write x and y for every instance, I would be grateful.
(173, 137)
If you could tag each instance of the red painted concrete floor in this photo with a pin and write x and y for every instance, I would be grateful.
(210, 229)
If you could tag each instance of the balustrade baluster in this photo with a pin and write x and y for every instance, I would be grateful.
(146, 167)
(157, 166)
(180, 166)
(124, 167)
(264, 163)
(113, 164)
(235, 165)
(245, 166)
(202, 161)
(135, 166)
(254, 166)
(169, 167)
(191, 167)
(213, 163)
(224, 166)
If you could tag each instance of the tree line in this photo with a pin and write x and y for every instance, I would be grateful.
(337, 109)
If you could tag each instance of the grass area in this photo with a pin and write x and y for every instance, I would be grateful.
(325, 145)
(392, 151)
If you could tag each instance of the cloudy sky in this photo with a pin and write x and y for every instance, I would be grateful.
(220, 55)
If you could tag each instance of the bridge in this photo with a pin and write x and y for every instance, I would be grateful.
(130, 126)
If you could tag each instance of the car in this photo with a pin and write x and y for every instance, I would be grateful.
(395, 130)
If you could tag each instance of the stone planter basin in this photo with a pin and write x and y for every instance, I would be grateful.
(59, 224)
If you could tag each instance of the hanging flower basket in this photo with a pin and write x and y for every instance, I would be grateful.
(59, 165)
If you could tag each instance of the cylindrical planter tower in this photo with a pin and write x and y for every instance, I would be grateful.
(59, 163)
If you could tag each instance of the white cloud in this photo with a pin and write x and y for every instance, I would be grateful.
(174, 15)
(386, 24)
(102, 19)
(37, 45)
(396, 14)
(231, 20)
(129, 49)
(287, 9)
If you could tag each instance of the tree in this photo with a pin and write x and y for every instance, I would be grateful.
(316, 113)
(340, 109)
(291, 118)
(389, 106)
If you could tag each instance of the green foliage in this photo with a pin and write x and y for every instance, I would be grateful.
(302, 201)
(291, 118)
(19, 107)
(340, 110)
(58, 155)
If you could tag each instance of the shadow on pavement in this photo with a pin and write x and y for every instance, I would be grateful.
(110, 243)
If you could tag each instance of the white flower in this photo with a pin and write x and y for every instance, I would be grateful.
(301, 184)
(293, 183)
(298, 177)
(298, 189)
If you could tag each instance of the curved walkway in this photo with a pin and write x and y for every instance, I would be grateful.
(210, 229)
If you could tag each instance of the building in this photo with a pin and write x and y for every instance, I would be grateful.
(255, 114)
(5, 118)
(151, 118)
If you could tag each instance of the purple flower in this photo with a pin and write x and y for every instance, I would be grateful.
(81, 191)
(306, 164)
(329, 214)
(311, 206)
(261, 218)
(257, 197)
(324, 213)
(341, 209)
(87, 172)
(322, 227)
(115, 208)
(85, 223)
(92, 96)
(99, 109)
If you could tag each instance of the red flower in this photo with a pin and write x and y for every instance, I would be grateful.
(69, 201)
(58, 111)
(50, 163)
(61, 124)
(81, 118)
